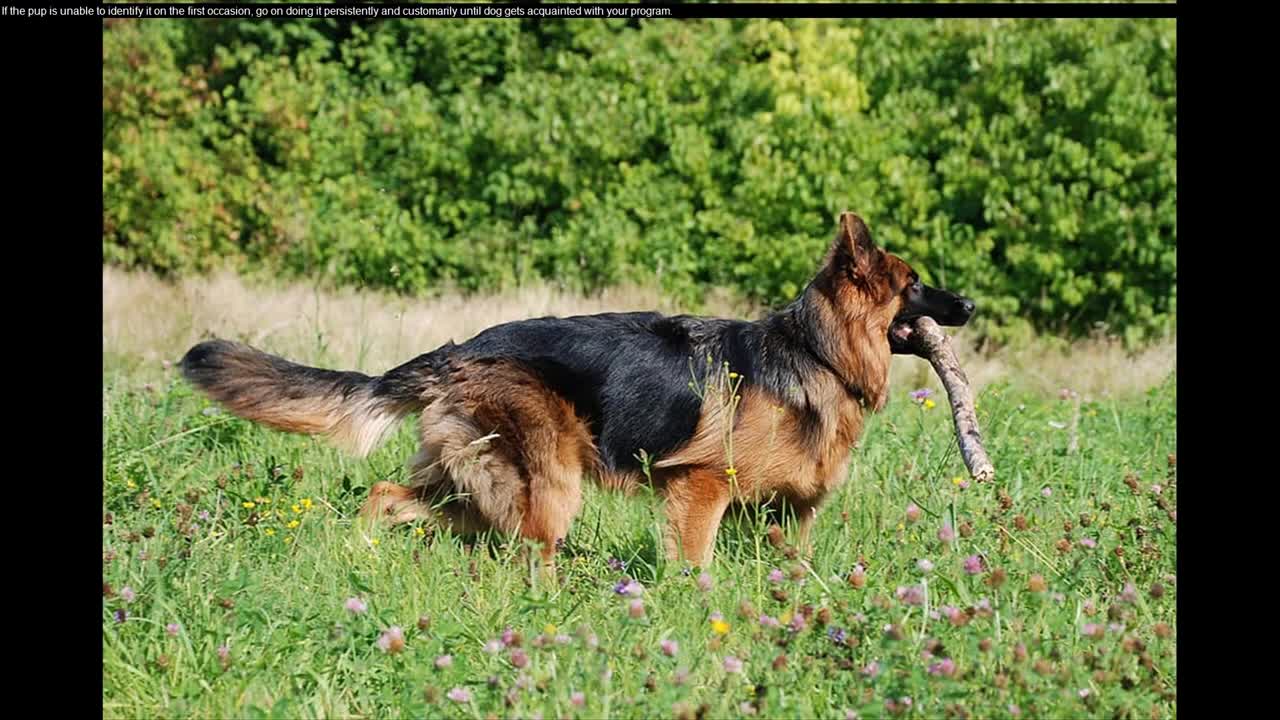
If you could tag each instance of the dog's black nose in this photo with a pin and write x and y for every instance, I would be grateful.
(967, 306)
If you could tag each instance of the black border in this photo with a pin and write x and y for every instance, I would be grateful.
(731, 10)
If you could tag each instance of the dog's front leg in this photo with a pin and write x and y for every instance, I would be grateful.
(805, 517)
(695, 504)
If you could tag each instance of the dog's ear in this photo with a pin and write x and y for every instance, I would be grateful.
(853, 241)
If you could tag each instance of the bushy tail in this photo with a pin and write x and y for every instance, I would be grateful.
(352, 410)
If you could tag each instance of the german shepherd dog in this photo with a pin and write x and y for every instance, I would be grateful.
(513, 419)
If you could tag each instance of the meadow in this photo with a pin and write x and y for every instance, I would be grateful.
(237, 584)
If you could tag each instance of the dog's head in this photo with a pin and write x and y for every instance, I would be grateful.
(883, 290)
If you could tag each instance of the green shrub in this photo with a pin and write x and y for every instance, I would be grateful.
(1030, 164)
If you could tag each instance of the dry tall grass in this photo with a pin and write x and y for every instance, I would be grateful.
(146, 321)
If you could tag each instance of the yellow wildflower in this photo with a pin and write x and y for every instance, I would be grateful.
(720, 627)
(293, 524)
(297, 509)
(156, 502)
(929, 404)
(131, 484)
(271, 531)
(420, 532)
(249, 504)
(549, 629)
(306, 503)
(731, 471)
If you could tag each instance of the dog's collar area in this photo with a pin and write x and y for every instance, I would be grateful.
(798, 330)
(854, 391)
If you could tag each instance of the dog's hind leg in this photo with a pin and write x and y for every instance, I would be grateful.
(430, 496)
(695, 503)
(394, 504)
(553, 499)
(512, 453)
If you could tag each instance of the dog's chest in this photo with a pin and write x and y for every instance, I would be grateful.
(800, 453)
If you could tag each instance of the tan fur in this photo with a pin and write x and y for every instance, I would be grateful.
(695, 502)
(499, 450)
(624, 482)
(771, 453)
(363, 427)
(357, 428)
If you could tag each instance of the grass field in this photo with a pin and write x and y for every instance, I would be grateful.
(236, 583)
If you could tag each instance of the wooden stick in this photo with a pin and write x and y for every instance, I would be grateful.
(929, 342)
